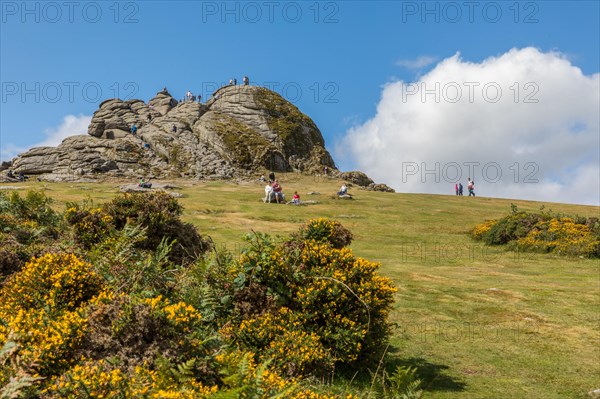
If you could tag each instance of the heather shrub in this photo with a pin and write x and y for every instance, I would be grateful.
(13, 254)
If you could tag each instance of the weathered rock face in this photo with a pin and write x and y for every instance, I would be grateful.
(241, 130)
(357, 177)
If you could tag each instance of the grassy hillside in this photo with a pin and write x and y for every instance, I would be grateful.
(476, 321)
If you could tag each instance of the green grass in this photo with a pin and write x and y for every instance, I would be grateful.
(478, 322)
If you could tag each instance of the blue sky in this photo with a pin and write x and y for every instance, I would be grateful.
(333, 59)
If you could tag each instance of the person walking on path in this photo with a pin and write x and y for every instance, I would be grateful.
(471, 187)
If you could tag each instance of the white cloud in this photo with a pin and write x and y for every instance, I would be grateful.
(529, 121)
(418, 63)
(9, 151)
(72, 125)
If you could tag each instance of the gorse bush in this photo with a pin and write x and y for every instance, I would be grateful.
(28, 227)
(158, 213)
(90, 226)
(34, 206)
(325, 230)
(138, 314)
(42, 310)
(543, 232)
(563, 236)
(310, 306)
(511, 228)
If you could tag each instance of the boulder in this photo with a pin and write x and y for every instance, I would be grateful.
(357, 177)
(380, 187)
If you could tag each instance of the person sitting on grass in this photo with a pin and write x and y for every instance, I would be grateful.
(296, 198)
(343, 190)
(144, 184)
(279, 196)
(269, 195)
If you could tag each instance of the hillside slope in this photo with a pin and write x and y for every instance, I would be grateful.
(476, 321)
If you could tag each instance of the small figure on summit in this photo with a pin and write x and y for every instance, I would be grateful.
(246, 81)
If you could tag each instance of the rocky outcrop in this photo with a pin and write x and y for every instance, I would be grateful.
(357, 177)
(365, 182)
(379, 187)
(241, 130)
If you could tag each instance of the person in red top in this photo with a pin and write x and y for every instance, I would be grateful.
(296, 198)
(279, 196)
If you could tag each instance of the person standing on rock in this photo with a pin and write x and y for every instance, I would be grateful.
(246, 80)
(234, 81)
(133, 129)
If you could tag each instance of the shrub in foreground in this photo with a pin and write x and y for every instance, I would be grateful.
(304, 303)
